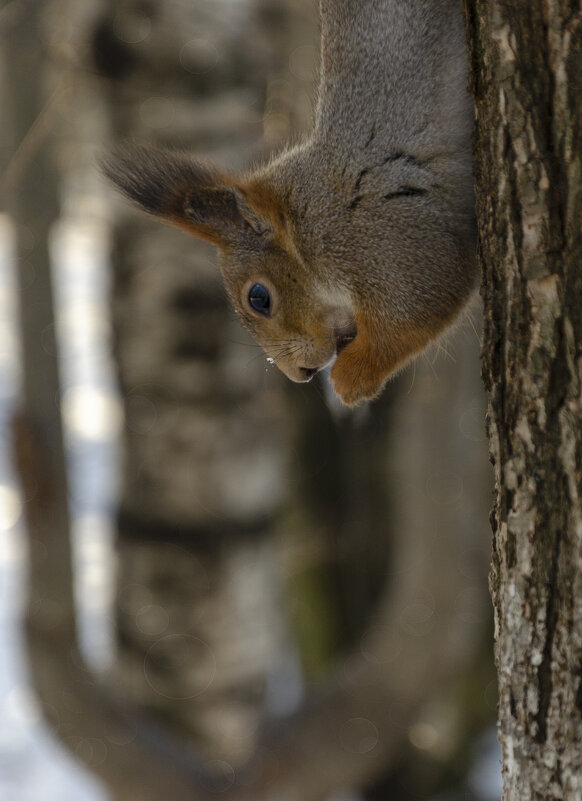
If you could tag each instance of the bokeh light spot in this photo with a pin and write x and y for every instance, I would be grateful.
(199, 56)
(91, 751)
(423, 736)
(91, 413)
(222, 775)
(359, 736)
(131, 28)
(152, 619)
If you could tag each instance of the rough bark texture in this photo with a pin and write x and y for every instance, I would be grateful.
(527, 68)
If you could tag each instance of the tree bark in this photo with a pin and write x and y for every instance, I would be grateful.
(527, 81)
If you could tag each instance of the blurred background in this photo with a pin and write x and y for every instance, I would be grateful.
(212, 581)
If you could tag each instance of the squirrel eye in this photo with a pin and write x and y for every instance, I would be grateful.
(260, 299)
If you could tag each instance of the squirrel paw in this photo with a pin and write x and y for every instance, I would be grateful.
(355, 378)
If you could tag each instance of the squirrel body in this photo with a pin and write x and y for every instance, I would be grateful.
(358, 244)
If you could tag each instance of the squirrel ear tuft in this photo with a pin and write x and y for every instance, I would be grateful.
(182, 192)
(223, 210)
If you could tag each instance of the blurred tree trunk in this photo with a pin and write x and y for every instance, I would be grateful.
(101, 731)
(527, 79)
(30, 196)
(200, 634)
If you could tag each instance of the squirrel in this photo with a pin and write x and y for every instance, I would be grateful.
(356, 247)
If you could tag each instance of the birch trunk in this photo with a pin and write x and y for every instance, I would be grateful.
(527, 67)
(204, 472)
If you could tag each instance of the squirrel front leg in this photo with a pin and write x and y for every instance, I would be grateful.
(363, 367)
(355, 378)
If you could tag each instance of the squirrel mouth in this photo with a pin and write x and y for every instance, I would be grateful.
(344, 335)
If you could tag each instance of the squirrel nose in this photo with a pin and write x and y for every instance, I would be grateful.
(308, 372)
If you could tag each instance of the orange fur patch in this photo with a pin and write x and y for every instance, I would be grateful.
(363, 366)
(264, 200)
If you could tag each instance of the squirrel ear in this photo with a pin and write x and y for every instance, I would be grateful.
(182, 192)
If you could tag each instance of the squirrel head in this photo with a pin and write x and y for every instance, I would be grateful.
(301, 324)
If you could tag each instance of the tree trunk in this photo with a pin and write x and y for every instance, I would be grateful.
(204, 470)
(97, 727)
(31, 199)
(527, 80)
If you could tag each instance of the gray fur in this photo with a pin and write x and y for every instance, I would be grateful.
(393, 113)
(364, 234)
